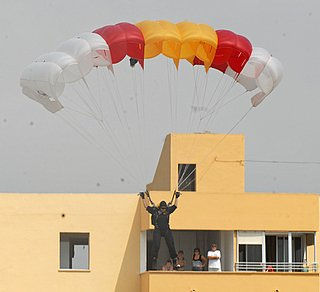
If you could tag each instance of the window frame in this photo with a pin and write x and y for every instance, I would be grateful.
(78, 237)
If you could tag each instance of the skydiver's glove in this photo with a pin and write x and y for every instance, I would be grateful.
(178, 194)
(141, 194)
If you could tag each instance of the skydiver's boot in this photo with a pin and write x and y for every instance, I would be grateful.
(154, 264)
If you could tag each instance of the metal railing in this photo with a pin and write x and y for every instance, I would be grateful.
(276, 267)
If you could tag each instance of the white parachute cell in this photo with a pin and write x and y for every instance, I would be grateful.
(51, 104)
(68, 64)
(269, 78)
(40, 81)
(100, 50)
(81, 51)
(258, 60)
(249, 84)
(43, 77)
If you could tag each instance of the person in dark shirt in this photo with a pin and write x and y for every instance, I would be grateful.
(160, 220)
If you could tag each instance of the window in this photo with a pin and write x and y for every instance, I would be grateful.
(250, 254)
(187, 177)
(250, 250)
(74, 251)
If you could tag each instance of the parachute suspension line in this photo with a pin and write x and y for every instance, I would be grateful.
(195, 76)
(179, 172)
(139, 118)
(170, 96)
(107, 130)
(110, 135)
(134, 82)
(88, 115)
(198, 126)
(224, 94)
(127, 128)
(79, 108)
(172, 198)
(176, 97)
(112, 96)
(201, 100)
(94, 102)
(199, 121)
(219, 95)
(99, 89)
(196, 105)
(90, 139)
(116, 107)
(211, 151)
(123, 119)
(143, 122)
(140, 78)
(205, 91)
(232, 99)
(173, 80)
(85, 103)
(201, 107)
(228, 102)
(214, 91)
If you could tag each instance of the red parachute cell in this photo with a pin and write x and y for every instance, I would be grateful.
(123, 39)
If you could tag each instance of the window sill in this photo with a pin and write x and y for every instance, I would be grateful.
(74, 270)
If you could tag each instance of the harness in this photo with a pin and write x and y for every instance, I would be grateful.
(155, 215)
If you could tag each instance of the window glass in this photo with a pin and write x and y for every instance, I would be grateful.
(187, 177)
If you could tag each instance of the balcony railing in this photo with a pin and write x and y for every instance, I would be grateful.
(276, 267)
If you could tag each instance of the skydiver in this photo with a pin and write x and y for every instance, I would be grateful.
(160, 220)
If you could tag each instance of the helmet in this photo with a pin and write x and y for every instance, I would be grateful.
(163, 204)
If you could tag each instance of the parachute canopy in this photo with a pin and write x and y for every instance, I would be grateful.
(79, 82)
(45, 78)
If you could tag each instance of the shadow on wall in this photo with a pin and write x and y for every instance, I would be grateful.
(128, 278)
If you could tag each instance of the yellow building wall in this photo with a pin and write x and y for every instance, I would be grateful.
(240, 211)
(218, 159)
(229, 282)
(29, 230)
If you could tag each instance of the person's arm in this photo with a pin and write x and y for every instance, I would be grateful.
(204, 261)
(177, 195)
(212, 257)
(184, 263)
(143, 198)
(149, 199)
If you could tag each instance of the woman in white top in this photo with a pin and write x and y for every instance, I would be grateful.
(214, 256)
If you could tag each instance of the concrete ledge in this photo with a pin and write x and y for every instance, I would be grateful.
(182, 281)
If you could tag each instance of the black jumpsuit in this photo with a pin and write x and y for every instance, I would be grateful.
(161, 223)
